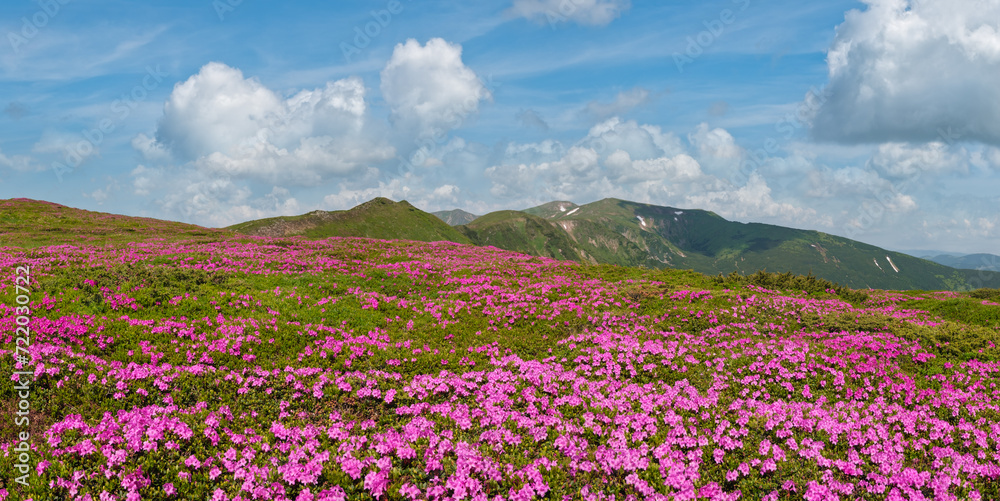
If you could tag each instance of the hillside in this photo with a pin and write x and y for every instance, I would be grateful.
(608, 231)
(287, 369)
(520, 232)
(33, 223)
(633, 234)
(455, 217)
(378, 218)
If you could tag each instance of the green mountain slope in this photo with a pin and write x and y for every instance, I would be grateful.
(608, 231)
(34, 223)
(521, 232)
(455, 217)
(633, 234)
(378, 218)
(552, 209)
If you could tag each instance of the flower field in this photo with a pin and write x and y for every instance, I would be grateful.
(289, 369)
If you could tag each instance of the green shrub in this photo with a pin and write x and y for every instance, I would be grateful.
(788, 281)
(990, 294)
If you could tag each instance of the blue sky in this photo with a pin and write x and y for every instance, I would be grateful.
(878, 121)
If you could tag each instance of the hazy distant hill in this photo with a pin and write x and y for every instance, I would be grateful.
(927, 254)
(378, 218)
(32, 223)
(989, 262)
(455, 217)
(628, 233)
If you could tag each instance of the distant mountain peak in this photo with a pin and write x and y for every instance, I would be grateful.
(455, 217)
(379, 218)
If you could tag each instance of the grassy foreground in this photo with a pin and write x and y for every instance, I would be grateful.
(257, 368)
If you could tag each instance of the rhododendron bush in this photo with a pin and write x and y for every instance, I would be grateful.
(363, 369)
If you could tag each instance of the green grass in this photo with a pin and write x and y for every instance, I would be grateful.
(965, 310)
(31, 223)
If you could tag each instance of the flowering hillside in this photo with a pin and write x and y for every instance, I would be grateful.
(289, 369)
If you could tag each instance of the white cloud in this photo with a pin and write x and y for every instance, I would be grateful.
(640, 141)
(396, 189)
(19, 163)
(665, 176)
(447, 192)
(150, 149)
(754, 201)
(429, 89)
(679, 169)
(986, 159)
(624, 102)
(101, 195)
(717, 149)
(914, 71)
(225, 124)
(899, 160)
(214, 110)
(189, 195)
(586, 12)
(145, 180)
(417, 190)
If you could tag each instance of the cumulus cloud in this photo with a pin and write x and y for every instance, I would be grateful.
(898, 160)
(19, 163)
(189, 195)
(150, 148)
(214, 110)
(753, 200)
(914, 71)
(623, 103)
(678, 169)
(585, 12)
(637, 162)
(428, 87)
(986, 159)
(101, 195)
(716, 148)
(640, 141)
(417, 190)
(225, 124)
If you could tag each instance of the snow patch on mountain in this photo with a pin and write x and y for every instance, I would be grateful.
(892, 264)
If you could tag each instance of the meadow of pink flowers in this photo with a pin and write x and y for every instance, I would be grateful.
(362, 369)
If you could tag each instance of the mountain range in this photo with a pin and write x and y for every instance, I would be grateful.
(620, 232)
(981, 261)
(608, 231)
(988, 262)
